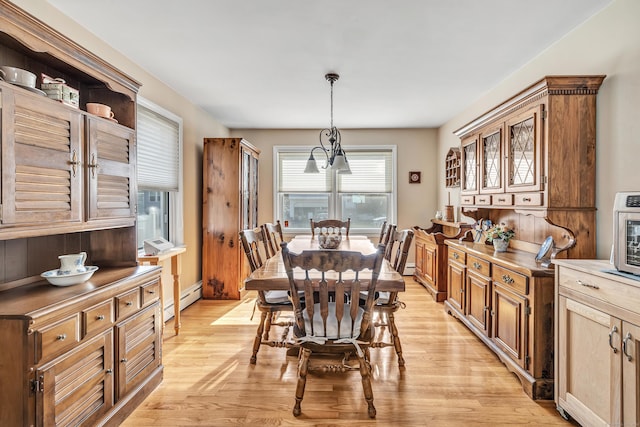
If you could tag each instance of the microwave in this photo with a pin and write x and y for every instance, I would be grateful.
(626, 232)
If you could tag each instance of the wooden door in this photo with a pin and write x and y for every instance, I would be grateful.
(138, 349)
(41, 158)
(589, 387)
(478, 301)
(509, 326)
(456, 285)
(430, 267)
(630, 374)
(111, 174)
(420, 259)
(77, 388)
(523, 150)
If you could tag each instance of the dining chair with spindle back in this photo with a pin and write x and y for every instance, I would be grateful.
(387, 303)
(270, 303)
(328, 325)
(333, 225)
(274, 236)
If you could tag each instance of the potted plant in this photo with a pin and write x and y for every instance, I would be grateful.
(499, 235)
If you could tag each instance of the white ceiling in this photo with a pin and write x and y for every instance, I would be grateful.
(261, 64)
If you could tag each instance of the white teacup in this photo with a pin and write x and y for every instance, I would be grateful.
(72, 263)
(100, 110)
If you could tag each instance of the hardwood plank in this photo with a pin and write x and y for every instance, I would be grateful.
(450, 379)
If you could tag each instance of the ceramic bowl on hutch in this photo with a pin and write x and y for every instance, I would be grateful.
(18, 76)
(55, 278)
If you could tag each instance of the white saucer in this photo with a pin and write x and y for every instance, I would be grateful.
(29, 88)
(55, 278)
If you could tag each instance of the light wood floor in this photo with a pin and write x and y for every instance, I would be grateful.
(450, 378)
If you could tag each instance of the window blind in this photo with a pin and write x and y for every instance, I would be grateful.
(371, 172)
(292, 177)
(158, 151)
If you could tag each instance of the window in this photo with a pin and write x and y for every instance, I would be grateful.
(159, 174)
(367, 195)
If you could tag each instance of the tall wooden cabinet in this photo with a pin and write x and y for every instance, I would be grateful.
(597, 345)
(525, 156)
(89, 353)
(230, 204)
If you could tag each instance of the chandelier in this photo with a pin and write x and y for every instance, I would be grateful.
(336, 157)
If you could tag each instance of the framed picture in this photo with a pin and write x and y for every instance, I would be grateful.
(414, 177)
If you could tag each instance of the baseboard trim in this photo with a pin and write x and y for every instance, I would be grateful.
(188, 297)
(409, 269)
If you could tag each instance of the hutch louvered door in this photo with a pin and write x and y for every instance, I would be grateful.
(41, 154)
(111, 179)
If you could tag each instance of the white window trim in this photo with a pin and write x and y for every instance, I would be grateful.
(320, 160)
(176, 200)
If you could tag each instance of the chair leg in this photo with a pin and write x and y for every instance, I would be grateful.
(365, 372)
(258, 338)
(303, 368)
(267, 326)
(395, 338)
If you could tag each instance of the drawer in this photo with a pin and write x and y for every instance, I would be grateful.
(127, 303)
(513, 280)
(59, 336)
(150, 292)
(98, 317)
(479, 266)
(611, 291)
(466, 200)
(456, 255)
(528, 199)
(503, 200)
(483, 200)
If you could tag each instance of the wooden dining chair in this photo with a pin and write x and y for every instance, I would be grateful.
(329, 325)
(270, 303)
(385, 233)
(274, 236)
(332, 225)
(387, 303)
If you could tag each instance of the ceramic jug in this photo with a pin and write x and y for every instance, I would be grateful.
(72, 263)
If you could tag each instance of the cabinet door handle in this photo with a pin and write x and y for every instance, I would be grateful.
(624, 346)
(587, 285)
(455, 255)
(613, 331)
(151, 291)
(61, 337)
(124, 360)
(129, 303)
(74, 162)
(507, 279)
(109, 371)
(93, 165)
(526, 199)
(477, 266)
(100, 317)
(501, 199)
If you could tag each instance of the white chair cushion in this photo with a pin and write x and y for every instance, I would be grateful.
(332, 323)
(276, 297)
(383, 297)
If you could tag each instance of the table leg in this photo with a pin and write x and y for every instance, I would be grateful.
(176, 267)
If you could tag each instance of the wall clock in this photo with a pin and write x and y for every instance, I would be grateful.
(414, 177)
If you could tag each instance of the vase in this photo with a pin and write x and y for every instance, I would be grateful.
(500, 245)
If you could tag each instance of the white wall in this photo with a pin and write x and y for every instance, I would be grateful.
(608, 43)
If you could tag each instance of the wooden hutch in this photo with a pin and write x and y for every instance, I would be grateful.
(87, 353)
(530, 163)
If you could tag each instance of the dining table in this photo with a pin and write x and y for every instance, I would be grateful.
(273, 276)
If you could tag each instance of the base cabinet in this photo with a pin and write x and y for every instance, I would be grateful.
(431, 255)
(86, 354)
(506, 300)
(597, 344)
